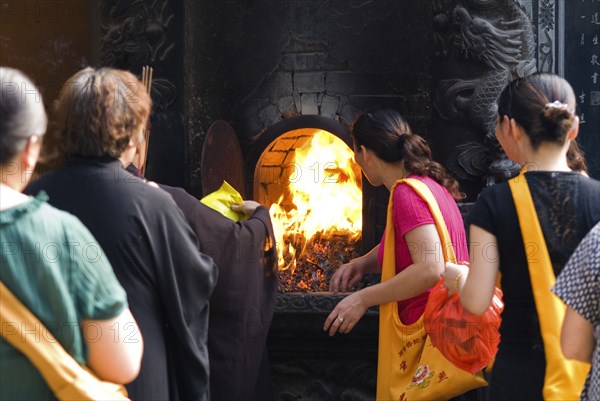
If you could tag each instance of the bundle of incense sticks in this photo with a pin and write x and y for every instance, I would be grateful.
(147, 82)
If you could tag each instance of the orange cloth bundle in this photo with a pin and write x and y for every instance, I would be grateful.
(470, 342)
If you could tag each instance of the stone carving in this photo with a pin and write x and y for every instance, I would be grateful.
(441, 26)
(496, 35)
(136, 32)
(164, 94)
(307, 365)
(319, 380)
(546, 28)
(308, 302)
(135, 35)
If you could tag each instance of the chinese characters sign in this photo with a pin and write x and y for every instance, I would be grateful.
(582, 70)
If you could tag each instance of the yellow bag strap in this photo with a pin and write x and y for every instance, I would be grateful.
(389, 256)
(26, 333)
(564, 379)
(388, 313)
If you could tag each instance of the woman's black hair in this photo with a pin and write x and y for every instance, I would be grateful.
(388, 135)
(543, 104)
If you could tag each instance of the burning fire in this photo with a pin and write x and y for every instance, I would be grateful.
(324, 202)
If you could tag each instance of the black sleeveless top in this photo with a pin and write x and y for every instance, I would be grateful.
(568, 206)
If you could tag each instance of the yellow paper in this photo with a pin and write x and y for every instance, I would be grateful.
(222, 199)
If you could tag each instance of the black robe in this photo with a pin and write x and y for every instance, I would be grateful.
(155, 256)
(242, 304)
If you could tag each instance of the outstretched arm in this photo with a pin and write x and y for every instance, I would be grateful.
(422, 274)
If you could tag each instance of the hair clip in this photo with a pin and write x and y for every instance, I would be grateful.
(558, 105)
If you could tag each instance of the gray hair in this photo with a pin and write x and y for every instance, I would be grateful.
(22, 113)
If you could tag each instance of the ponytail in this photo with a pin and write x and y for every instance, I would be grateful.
(388, 135)
(556, 120)
(543, 104)
(417, 160)
(576, 158)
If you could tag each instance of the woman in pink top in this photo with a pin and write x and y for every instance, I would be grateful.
(387, 150)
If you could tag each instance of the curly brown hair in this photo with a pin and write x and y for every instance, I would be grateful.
(99, 111)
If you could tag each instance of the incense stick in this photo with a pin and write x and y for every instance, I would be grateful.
(147, 73)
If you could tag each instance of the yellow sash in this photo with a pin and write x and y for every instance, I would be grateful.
(67, 379)
(564, 379)
(409, 366)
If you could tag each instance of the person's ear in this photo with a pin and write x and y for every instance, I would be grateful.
(502, 125)
(138, 150)
(366, 154)
(132, 142)
(31, 153)
(572, 134)
(515, 130)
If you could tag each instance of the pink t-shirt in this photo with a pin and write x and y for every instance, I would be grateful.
(411, 211)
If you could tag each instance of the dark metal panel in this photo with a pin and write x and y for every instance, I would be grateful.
(221, 159)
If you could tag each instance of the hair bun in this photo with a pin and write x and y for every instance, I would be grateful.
(557, 111)
(557, 119)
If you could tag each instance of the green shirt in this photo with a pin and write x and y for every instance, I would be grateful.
(53, 264)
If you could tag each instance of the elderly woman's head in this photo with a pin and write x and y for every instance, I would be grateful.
(100, 112)
(23, 118)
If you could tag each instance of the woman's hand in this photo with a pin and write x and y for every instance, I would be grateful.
(248, 207)
(345, 315)
(347, 276)
(454, 277)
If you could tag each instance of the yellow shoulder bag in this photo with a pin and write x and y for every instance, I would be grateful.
(67, 379)
(564, 378)
(409, 366)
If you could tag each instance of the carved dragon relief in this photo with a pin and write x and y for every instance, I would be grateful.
(497, 35)
(136, 35)
(546, 19)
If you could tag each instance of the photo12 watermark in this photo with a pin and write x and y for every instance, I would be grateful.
(52, 252)
(18, 12)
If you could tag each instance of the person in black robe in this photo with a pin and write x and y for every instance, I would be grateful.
(243, 302)
(153, 251)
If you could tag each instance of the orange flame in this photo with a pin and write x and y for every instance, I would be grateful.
(325, 197)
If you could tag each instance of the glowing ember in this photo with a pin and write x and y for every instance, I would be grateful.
(318, 225)
(314, 269)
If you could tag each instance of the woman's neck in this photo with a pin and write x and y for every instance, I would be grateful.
(10, 197)
(392, 173)
(547, 157)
